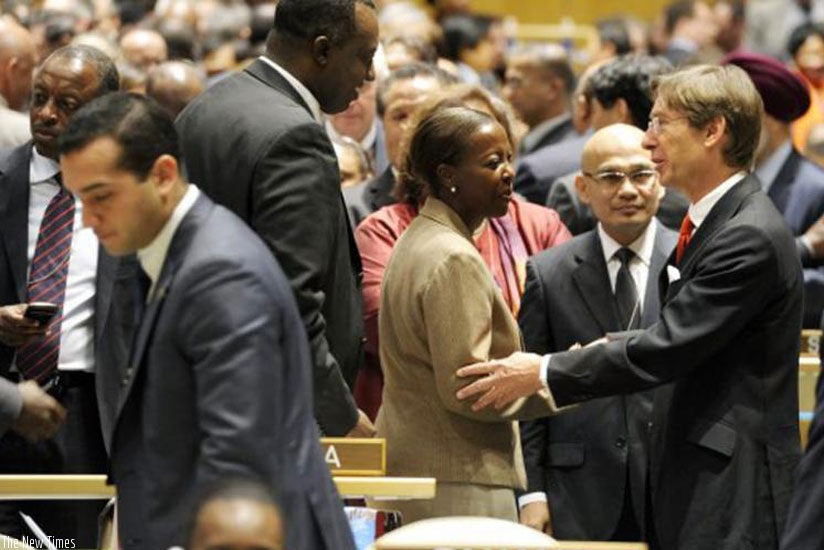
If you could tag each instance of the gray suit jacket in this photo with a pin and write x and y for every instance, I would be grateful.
(583, 458)
(219, 386)
(727, 341)
(252, 145)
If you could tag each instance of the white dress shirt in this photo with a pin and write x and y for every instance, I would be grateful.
(153, 256)
(77, 337)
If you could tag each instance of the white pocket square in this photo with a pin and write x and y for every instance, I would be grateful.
(673, 274)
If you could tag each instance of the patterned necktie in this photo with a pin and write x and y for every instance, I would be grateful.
(684, 237)
(47, 283)
(626, 293)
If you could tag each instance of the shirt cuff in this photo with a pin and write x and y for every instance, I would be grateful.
(529, 498)
(806, 243)
(544, 372)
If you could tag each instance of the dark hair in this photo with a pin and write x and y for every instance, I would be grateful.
(629, 78)
(440, 137)
(107, 75)
(137, 123)
(180, 37)
(614, 31)
(800, 35)
(309, 19)
(463, 32)
(408, 72)
(232, 489)
(682, 9)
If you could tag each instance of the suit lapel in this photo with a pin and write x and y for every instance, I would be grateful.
(718, 216)
(106, 272)
(592, 279)
(664, 242)
(177, 252)
(14, 215)
(781, 187)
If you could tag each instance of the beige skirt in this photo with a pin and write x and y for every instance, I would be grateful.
(456, 499)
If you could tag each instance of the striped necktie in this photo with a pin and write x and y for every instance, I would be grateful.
(47, 283)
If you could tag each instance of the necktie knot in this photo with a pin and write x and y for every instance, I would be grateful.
(624, 255)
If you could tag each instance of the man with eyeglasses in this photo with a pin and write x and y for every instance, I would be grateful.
(724, 439)
(604, 280)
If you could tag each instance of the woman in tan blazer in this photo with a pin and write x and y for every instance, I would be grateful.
(440, 309)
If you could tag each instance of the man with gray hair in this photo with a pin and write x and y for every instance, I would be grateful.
(17, 60)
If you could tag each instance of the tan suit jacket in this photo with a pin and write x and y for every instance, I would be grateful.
(441, 310)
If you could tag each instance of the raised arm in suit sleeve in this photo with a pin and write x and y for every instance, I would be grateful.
(458, 308)
(231, 331)
(536, 333)
(298, 211)
(738, 273)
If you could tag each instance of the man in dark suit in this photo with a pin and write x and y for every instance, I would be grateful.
(218, 384)
(794, 183)
(595, 457)
(398, 96)
(726, 340)
(254, 143)
(48, 256)
(805, 521)
(539, 84)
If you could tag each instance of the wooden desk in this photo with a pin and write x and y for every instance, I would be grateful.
(79, 487)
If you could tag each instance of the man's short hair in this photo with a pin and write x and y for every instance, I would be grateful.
(676, 11)
(408, 72)
(108, 77)
(550, 59)
(629, 78)
(463, 32)
(137, 123)
(308, 19)
(613, 30)
(704, 93)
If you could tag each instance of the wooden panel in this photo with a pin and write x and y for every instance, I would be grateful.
(810, 343)
(74, 487)
(355, 457)
(581, 11)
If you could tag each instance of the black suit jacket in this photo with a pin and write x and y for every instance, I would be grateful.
(798, 193)
(583, 458)
(252, 145)
(724, 442)
(536, 172)
(563, 131)
(219, 386)
(114, 296)
(369, 196)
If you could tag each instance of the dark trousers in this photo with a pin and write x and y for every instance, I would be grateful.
(77, 448)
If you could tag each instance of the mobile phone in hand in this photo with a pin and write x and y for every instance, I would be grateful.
(42, 312)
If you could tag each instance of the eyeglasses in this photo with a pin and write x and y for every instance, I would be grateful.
(656, 125)
(613, 179)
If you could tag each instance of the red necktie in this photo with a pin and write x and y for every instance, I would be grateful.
(684, 237)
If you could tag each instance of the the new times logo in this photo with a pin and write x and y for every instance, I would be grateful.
(31, 542)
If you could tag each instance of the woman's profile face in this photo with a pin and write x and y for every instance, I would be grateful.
(484, 176)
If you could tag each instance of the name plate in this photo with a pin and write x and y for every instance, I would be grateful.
(810, 342)
(354, 457)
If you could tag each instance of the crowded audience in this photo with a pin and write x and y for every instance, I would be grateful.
(563, 271)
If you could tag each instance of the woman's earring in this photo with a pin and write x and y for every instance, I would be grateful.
(453, 190)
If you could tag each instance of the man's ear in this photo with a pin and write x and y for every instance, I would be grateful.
(582, 186)
(321, 48)
(166, 172)
(623, 110)
(715, 131)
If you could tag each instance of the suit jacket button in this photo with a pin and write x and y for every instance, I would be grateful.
(621, 442)
(124, 382)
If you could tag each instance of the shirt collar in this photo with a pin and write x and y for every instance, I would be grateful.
(42, 169)
(642, 246)
(154, 255)
(366, 143)
(700, 210)
(770, 168)
(536, 134)
(303, 91)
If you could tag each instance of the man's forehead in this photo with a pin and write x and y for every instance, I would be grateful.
(71, 69)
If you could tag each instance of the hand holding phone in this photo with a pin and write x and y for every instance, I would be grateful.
(42, 312)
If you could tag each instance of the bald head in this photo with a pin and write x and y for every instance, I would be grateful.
(618, 181)
(17, 59)
(144, 48)
(174, 84)
(237, 524)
